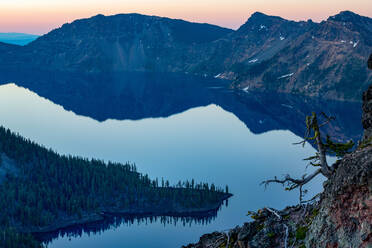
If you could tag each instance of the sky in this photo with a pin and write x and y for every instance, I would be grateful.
(41, 16)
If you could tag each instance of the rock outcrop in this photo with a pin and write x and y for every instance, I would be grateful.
(345, 213)
(270, 229)
(341, 218)
(367, 109)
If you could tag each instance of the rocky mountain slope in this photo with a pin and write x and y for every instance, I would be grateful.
(259, 39)
(266, 53)
(367, 109)
(342, 217)
(7, 48)
(327, 60)
(125, 42)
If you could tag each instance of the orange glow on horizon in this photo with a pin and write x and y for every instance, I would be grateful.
(41, 16)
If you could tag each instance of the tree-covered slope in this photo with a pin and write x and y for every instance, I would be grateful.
(43, 191)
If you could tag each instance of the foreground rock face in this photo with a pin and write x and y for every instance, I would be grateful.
(270, 229)
(345, 215)
(367, 109)
(367, 114)
(342, 218)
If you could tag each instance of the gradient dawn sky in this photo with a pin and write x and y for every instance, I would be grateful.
(41, 16)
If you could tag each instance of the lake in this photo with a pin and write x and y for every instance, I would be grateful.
(176, 127)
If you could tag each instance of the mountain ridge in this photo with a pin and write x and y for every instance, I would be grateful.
(327, 60)
(265, 53)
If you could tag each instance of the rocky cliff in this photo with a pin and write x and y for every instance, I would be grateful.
(367, 109)
(341, 218)
(124, 42)
(326, 59)
(345, 212)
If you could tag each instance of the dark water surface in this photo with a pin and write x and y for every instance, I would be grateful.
(174, 127)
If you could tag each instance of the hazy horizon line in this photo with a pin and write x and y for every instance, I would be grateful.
(183, 19)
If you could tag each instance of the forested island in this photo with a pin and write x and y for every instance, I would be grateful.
(42, 191)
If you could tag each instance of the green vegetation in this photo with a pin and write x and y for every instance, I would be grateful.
(255, 215)
(301, 232)
(365, 143)
(10, 238)
(223, 245)
(271, 235)
(232, 241)
(259, 227)
(338, 149)
(312, 216)
(46, 188)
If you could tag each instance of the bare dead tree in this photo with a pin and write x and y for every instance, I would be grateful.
(319, 160)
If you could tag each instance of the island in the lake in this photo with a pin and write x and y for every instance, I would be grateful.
(42, 191)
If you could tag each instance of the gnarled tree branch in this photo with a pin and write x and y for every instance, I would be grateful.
(325, 169)
(319, 160)
(291, 182)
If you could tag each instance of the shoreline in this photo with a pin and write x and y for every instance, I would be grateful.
(105, 214)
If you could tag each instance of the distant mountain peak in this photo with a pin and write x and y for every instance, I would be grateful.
(345, 16)
(259, 16)
(355, 23)
(260, 22)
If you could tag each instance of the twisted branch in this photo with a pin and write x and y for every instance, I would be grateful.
(319, 160)
(291, 182)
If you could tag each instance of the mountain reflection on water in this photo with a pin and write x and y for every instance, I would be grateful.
(115, 221)
(137, 95)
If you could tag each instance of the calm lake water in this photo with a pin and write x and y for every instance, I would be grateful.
(177, 128)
